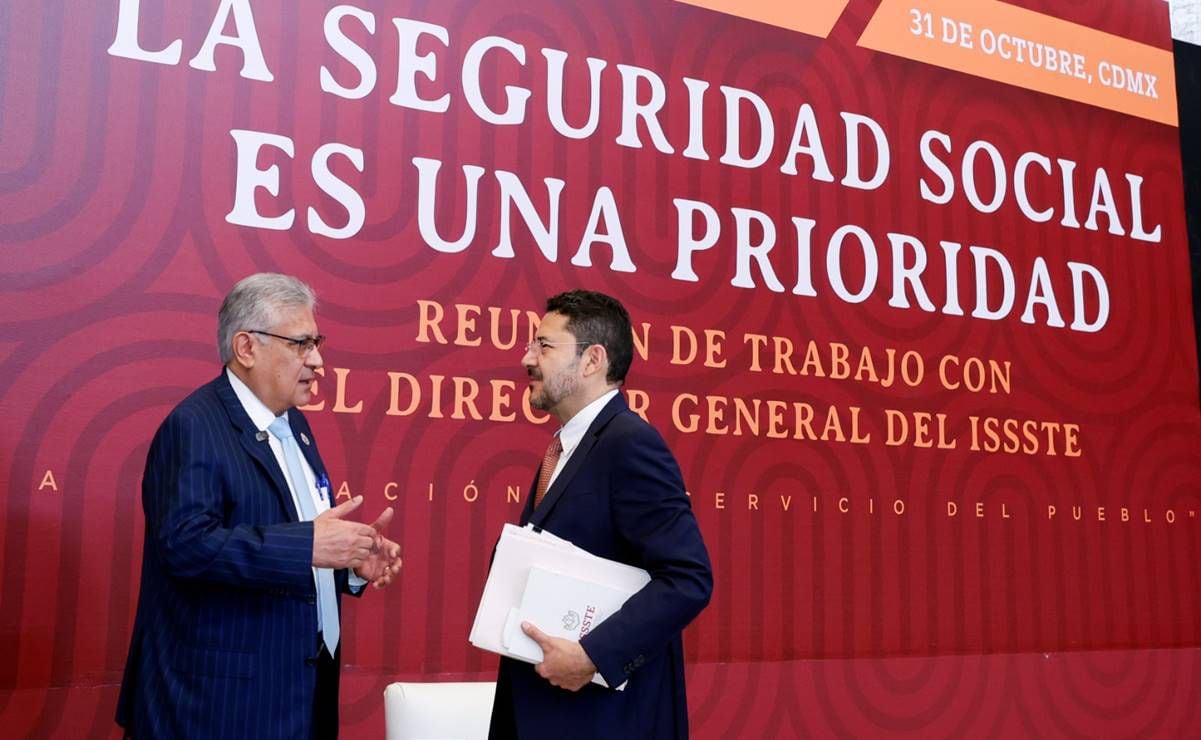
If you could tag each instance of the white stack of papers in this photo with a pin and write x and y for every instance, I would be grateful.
(561, 606)
(543, 579)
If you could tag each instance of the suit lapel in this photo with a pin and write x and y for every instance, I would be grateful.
(306, 443)
(615, 406)
(528, 510)
(258, 448)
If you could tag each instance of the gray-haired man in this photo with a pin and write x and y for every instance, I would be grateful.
(238, 631)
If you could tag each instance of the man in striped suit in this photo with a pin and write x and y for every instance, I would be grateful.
(237, 631)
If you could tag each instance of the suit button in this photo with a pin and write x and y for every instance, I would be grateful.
(311, 660)
(310, 599)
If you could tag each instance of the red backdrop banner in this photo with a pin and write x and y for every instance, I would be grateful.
(920, 339)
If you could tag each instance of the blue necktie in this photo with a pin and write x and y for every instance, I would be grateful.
(327, 604)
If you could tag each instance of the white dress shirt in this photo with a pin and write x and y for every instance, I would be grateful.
(573, 431)
(262, 417)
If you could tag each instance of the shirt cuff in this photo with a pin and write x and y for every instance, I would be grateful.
(356, 584)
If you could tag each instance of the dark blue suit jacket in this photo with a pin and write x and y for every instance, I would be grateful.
(226, 623)
(620, 496)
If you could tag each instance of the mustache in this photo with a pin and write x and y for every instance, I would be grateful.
(534, 374)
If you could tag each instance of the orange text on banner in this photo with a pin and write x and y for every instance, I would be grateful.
(997, 41)
(814, 17)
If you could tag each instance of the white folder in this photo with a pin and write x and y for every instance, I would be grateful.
(521, 549)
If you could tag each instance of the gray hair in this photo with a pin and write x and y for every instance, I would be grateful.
(255, 302)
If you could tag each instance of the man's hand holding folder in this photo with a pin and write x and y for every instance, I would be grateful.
(564, 663)
(537, 576)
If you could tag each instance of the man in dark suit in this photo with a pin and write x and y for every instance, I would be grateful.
(608, 484)
(237, 632)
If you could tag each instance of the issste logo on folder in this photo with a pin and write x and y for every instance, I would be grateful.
(560, 605)
(571, 620)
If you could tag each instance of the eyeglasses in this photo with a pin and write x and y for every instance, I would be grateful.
(542, 345)
(304, 345)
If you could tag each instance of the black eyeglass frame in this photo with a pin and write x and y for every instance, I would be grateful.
(545, 344)
(303, 345)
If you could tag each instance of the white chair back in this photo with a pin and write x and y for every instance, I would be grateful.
(438, 711)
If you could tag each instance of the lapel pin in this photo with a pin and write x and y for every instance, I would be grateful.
(261, 436)
(304, 438)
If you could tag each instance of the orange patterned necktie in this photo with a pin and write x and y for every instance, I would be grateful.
(549, 461)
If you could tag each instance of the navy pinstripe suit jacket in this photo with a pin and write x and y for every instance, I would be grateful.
(226, 613)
